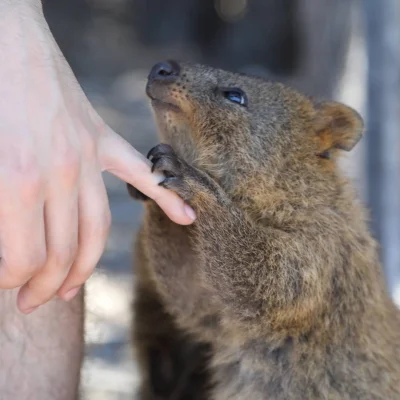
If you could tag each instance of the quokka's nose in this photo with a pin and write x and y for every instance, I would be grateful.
(165, 71)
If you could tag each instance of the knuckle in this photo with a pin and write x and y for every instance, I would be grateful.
(13, 278)
(68, 166)
(89, 146)
(21, 169)
(62, 257)
(34, 262)
(19, 269)
(98, 228)
(24, 163)
(82, 274)
(66, 157)
(39, 260)
(28, 183)
(31, 186)
(42, 289)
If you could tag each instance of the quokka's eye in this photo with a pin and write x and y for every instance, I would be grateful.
(235, 95)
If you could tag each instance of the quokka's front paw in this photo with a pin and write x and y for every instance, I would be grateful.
(165, 160)
(180, 177)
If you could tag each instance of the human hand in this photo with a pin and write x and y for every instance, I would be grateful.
(54, 212)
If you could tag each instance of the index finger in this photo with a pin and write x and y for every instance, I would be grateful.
(118, 157)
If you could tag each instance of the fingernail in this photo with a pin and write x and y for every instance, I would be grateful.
(190, 212)
(29, 310)
(71, 294)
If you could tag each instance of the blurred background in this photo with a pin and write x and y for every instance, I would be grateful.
(346, 50)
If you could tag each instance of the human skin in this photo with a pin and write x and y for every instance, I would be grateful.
(54, 211)
(53, 149)
(41, 353)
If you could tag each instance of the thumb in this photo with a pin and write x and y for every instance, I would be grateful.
(119, 158)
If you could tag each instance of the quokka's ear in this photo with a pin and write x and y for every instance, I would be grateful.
(336, 126)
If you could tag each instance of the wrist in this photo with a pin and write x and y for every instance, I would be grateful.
(26, 7)
(21, 22)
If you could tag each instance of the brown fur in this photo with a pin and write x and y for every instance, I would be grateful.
(278, 276)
